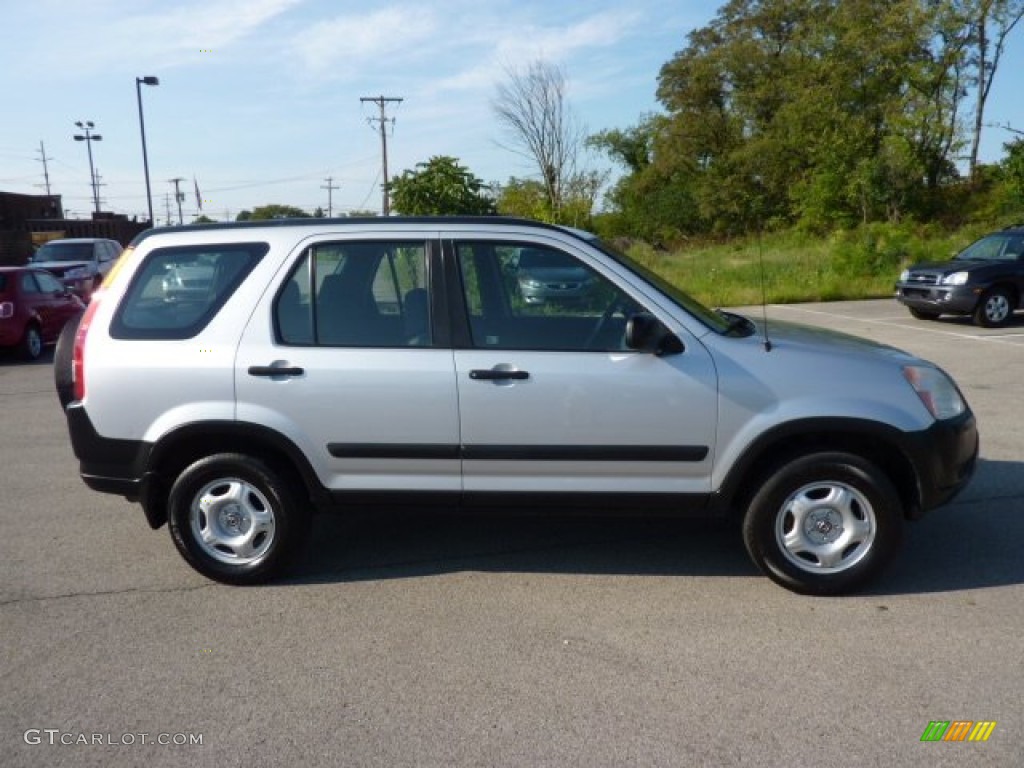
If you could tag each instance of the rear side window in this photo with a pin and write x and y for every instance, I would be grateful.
(357, 294)
(177, 291)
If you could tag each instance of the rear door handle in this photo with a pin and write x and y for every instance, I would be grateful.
(497, 375)
(275, 370)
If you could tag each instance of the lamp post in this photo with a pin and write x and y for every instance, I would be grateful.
(89, 138)
(139, 82)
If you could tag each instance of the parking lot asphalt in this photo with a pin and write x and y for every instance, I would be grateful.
(439, 641)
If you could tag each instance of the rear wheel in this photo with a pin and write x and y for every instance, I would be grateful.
(63, 377)
(824, 524)
(235, 519)
(31, 346)
(994, 309)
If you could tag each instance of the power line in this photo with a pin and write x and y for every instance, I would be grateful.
(382, 121)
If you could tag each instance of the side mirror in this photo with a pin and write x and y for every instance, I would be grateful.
(646, 333)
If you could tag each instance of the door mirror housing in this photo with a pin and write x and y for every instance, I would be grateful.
(646, 333)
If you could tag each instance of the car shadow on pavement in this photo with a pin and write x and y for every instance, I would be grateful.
(11, 357)
(972, 543)
(408, 545)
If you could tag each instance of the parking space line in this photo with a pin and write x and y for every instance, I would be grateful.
(998, 339)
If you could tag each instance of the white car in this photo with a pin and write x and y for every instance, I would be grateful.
(80, 263)
(334, 364)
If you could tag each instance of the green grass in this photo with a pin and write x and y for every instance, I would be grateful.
(861, 264)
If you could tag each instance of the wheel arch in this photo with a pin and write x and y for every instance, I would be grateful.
(879, 444)
(187, 444)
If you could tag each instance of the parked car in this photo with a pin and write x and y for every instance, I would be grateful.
(545, 276)
(345, 364)
(34, 306)
(985, 281)
(81, 263)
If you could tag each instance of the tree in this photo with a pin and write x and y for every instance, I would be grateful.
(531, 107)
(440, 187)
(272, 211)
(988, 23)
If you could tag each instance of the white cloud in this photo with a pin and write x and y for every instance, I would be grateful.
(383, 37)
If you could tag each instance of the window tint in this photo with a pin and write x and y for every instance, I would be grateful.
(521, 296)
(48, 283)
(177, 291)
(357, 294)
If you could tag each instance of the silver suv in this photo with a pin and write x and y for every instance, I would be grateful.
(348, 363)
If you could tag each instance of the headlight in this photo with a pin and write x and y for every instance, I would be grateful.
(76, 272)
(904, 275)
(957, 278)
(936, 390)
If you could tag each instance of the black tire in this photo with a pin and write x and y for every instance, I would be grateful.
(251, 516)
(31, 345)
(921, 314)
(62, 360)
(824, 524)
(994, 308)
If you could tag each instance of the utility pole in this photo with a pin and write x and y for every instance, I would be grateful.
(330, 188)
(382, 102)
(167, 207)
(46, 171)
(98, 185)
(178, 195)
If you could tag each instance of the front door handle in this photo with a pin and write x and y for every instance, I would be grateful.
(275, 370)
(497, 374)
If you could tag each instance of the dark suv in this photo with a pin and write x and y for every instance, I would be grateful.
(985, 280)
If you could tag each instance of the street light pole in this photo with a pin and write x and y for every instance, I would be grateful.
(139, 81)
(89, 138)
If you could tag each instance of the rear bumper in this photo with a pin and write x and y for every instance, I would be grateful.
(106, 464)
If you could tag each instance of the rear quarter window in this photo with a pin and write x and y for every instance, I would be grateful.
(177, 291)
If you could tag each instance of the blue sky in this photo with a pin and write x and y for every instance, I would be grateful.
(259, 100)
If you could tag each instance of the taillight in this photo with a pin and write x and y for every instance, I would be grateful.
(78, 352)
(6, 309)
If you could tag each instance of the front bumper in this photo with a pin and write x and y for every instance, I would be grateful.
(944, 457)
(941, 299)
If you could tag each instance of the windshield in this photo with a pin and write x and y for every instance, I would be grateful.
(1000, 247)
(64, 252)
(713, 320)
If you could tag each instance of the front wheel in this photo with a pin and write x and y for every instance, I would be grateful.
(824, 524)
(994, 309)
(234, 519)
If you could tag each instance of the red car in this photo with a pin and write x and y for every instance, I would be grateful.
(34, 306)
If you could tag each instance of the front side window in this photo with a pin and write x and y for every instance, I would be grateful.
(48, 283)
(177, 291)
(525, 296)
(28, 284)
(357, 294)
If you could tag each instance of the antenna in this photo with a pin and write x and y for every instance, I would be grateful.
(760, 259)
(764, 296)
